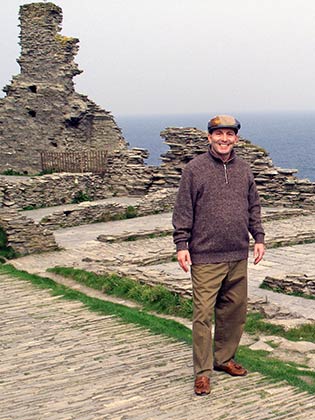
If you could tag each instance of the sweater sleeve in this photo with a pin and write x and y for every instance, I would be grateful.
(183, 211)
(254, 209)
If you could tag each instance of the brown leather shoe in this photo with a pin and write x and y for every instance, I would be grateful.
(202, 385)
(232, 368)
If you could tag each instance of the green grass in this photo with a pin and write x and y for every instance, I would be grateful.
(80, 197)
(155, 324)
(157, 298)
(11, 172)
(129, 213)
(162, 300)
(277, 370)
(255, 361)
(6, 252)
(255, 324)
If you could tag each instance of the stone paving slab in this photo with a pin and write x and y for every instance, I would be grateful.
(60, 361)
(142, 259)
(278, 262)
(284, 231)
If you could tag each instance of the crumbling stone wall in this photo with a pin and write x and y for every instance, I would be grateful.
(126, 174)
(277, 186)
(23, 235)
(41, 110)
(100, 211)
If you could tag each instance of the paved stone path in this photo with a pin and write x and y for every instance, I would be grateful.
(59, 361)
(149, 259)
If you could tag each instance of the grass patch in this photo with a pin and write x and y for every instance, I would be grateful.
(255, 324)
(129, 213)
(255, 361)
(157, 298)
(277, 370)
(6, 252)
(162, 300)
(156, 325)
(12, 172)
(80, 197)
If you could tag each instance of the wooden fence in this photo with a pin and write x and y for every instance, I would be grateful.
(85, 161)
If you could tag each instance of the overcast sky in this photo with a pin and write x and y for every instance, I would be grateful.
(184, 56)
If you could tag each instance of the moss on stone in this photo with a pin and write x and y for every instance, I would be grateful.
(64, 40)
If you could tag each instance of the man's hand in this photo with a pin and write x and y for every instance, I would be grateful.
(259, 252)
(183, 258)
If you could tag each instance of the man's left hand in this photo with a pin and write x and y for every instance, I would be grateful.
(259, 252)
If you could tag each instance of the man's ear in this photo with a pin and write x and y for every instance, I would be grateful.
(209, 138)
(237, 138)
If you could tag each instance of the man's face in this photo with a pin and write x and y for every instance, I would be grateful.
(222, 141)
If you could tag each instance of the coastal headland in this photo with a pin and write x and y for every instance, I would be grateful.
(59, 359)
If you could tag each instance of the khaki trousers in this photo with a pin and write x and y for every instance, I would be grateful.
(220, 288)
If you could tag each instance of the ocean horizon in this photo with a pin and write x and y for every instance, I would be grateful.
(288, 137)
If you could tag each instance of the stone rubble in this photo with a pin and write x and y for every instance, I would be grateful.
(292, 283)
(24, 236)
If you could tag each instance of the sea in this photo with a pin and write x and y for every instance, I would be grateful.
(288, 137)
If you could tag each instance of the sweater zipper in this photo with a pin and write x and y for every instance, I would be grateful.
(225, 174)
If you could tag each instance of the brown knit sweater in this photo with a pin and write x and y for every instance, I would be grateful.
(217, 205)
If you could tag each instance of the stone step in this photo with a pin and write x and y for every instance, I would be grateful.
(69, 215)
(61, 361)
(282, 232)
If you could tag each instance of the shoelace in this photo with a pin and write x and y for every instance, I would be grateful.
(236, 365)
(201, 382)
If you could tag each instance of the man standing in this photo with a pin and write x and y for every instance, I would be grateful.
(217, 206)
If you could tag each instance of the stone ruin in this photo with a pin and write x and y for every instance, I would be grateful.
(276, 186)
(41, 110)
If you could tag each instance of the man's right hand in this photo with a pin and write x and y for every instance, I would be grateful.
(183, 258)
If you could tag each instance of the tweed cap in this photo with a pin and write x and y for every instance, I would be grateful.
(223, 121)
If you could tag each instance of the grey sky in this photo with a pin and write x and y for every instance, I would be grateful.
(185, 56)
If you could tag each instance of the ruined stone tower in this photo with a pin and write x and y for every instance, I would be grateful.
(41, 110)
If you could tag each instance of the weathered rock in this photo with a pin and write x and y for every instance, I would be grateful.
(277, 186)
(41, 111)
(24, 236)
(293, 283)
(261, 345)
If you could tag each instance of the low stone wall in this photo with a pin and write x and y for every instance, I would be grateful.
(126, 174)
(86, 213)
(24, 236)
(277, 186)
(93, 212)
(292, 283)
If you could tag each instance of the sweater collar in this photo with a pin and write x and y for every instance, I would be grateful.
(217, 158)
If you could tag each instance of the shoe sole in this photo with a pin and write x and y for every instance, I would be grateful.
(202, 394)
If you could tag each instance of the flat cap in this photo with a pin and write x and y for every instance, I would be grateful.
(223, 121)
